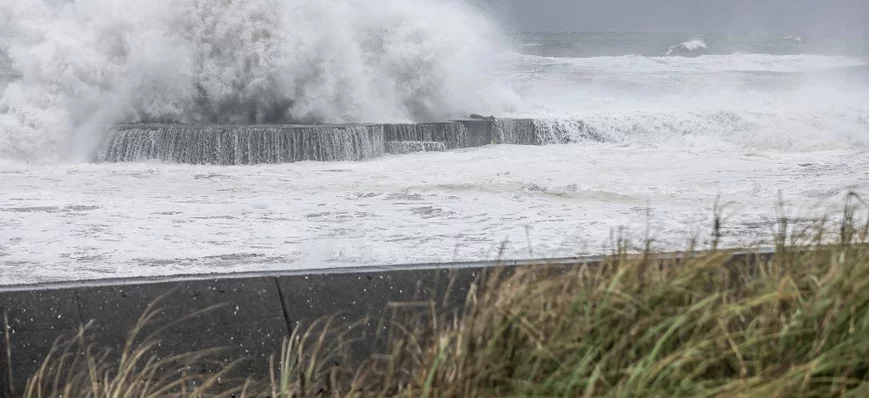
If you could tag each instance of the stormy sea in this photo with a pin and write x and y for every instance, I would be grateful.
(638, 135)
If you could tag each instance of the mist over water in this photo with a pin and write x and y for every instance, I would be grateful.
(89, 64)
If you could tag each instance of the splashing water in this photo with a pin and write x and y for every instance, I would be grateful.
(406, 147)
(89, 64)
(230, 145)
(453, 135)
(687, 47)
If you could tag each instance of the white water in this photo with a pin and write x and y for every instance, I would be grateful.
(791, 103)
(96, 221)
(705, 64)
(89, 64)
(667, 134)
(687, 47)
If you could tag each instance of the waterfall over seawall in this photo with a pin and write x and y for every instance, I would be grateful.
(452, 135)
(567, 130)
(405, 147)
(516, 132)
(240, 144)
(255, 144)
(545, 132)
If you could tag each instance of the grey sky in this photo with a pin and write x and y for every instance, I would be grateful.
(821, 17)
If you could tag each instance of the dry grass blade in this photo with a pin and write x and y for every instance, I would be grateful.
(705, 324)
(78, 367)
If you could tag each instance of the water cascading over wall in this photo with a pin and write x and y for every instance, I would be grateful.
(545, 131)
(516, 132)
(452, 135)
(406, 147)
(240, 144)
(480, 131)
(567, 130)
(255, 144)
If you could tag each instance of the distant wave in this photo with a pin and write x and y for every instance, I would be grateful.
(706, 63)
(590, 44)
(784, 130)
(692, 47)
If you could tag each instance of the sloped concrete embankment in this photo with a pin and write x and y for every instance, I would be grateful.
(250, 314)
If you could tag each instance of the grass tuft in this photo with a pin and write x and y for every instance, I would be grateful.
(78, 366)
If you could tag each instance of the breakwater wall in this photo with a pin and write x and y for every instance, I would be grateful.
(240, 144)
(258, 144)
(255, 312)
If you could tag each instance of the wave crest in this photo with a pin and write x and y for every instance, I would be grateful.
(691, 47)
(92, 63)
(787, 131)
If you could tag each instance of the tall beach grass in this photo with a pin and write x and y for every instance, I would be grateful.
(792, 322)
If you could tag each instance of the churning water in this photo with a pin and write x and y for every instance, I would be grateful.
(616, 130)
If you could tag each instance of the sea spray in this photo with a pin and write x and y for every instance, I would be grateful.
(89, 64)
(779, 130)
(692, 48)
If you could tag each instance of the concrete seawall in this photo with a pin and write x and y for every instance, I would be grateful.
(256, 310)
(257, 144)
(240, 144)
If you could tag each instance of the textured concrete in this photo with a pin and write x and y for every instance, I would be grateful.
(255, 144)
(452, 135)
(31, 322)
(363, 294)
(256, 310)
(371, 296)
(240, 144)
(250, 323)
(480, 131)
(516, 132)
(405, 147)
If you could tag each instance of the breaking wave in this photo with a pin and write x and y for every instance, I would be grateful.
(787, 103)
(704, 64)
(689, 48)
(787, 131)
(89, 64)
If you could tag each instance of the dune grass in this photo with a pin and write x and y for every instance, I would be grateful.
(705, 324)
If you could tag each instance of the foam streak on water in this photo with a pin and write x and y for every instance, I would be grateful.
(127, 219)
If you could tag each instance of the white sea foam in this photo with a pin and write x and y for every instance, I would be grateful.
(694, 44)
(65, 222)
(785, 131)
(91, 63)
(772, 102)
(687, 47)
(703, 64)
(655, 139)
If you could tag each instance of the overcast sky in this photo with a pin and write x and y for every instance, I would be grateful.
(828, 17)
